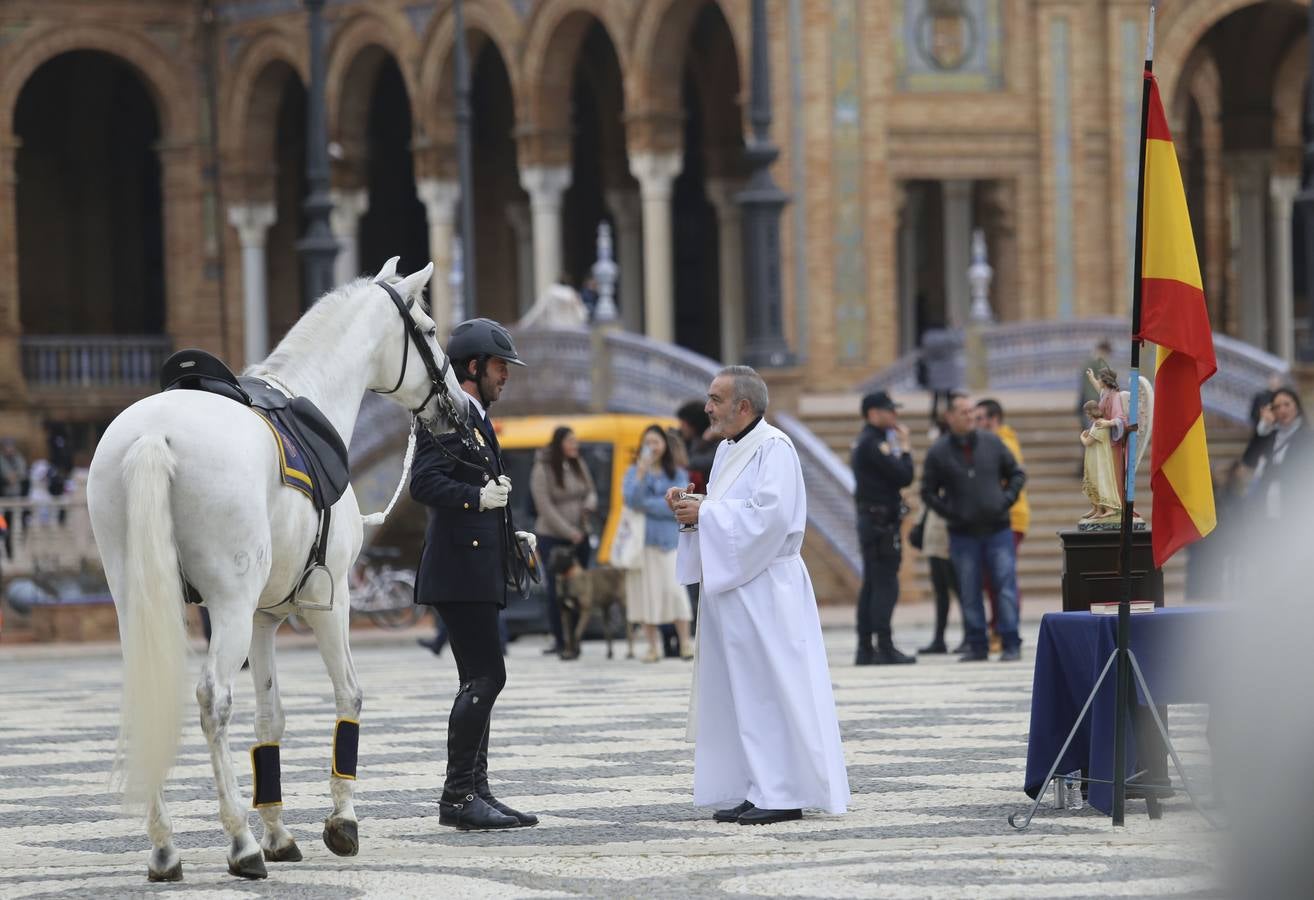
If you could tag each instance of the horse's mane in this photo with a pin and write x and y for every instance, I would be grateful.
(315, 330)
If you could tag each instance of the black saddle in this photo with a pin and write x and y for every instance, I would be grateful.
(322, 446)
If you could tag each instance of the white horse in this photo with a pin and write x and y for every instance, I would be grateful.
(190, 481)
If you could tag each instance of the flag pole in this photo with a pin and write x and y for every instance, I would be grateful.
(1122, 701)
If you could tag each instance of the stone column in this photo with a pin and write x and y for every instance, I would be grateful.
(517, 215)
(1282, 190)
(252, 223)
(545, 185)
(439, 198)
(656, 174)
(1250, 186)
(626, 211)
(730, 264)
(909, 219)
(344, 219)
(957, 244)
(10, 299)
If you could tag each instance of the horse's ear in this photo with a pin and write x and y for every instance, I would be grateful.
(389, 269)
(413, 284)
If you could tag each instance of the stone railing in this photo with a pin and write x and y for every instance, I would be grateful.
(48, 535)
(64, 362)
(1049, 355)
(634, 375)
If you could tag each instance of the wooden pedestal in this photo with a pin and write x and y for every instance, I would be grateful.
(1090, 569)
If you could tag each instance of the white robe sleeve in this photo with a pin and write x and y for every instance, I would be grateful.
(688, 559)
(739, 537)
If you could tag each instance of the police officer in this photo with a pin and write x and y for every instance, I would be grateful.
(882, 467)
(464, 567)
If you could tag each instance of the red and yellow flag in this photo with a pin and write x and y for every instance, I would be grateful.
(1174, 316)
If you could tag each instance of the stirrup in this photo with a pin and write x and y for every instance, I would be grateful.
(305, 580)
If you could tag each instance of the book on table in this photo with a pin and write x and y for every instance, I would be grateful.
(1111, 609)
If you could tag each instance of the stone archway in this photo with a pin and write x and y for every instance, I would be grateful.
(89, 199)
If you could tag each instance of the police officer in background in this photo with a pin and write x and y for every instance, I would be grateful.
(464, 567)
(882, 467)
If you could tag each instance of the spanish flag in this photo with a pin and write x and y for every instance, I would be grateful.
(1174, 317)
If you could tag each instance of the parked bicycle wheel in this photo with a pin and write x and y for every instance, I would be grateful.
(392, 604)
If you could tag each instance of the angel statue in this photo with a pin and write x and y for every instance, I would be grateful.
(1105, 440)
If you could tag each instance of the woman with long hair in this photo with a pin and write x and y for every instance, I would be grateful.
(564, 497)
(653, 596)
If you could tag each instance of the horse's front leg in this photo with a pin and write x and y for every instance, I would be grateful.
(230, 619)
(277, 843)
(331, 633)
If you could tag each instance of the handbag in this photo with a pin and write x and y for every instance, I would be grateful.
(917, 533)
(627, 544)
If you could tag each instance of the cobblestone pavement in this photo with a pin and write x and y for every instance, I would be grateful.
(935, 754)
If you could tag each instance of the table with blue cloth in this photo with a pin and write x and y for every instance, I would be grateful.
(1169, 644)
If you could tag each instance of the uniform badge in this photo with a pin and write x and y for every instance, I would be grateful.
(884, 447)
(479, 436)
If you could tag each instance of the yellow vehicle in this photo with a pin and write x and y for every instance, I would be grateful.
(608, 444)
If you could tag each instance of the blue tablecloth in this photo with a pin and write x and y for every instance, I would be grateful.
(1170, 645)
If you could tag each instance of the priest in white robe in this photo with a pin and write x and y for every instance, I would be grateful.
(767, 741)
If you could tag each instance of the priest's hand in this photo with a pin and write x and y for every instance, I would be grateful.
(686, 511)
(673, 495)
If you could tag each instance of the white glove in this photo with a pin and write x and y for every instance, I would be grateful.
(529, 538)
(494, 494)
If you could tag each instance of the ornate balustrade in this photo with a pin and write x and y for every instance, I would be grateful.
(1048, 356)
(67, 362)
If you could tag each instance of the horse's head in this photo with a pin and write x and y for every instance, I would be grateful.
(412, 367)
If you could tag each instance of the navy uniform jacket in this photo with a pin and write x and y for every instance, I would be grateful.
(879, 475)
(464, 554)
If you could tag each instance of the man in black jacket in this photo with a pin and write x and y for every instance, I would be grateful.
(464, 567)
(882, 468)
(971, 480)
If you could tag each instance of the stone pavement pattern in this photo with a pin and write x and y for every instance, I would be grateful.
(936, 754)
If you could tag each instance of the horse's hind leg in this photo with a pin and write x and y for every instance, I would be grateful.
(164, 864)
(229, 642)
(277, 843)
(331, 633)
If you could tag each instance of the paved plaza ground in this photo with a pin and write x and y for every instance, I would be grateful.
(936, 754)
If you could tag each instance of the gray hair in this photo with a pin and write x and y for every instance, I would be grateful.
(748, 386)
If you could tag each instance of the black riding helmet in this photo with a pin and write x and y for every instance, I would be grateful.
(480, 339)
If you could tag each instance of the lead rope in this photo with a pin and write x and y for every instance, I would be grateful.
(379, 517)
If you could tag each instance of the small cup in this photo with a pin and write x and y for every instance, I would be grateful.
(689, 526)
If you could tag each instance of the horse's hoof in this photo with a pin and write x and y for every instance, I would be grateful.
(340, 837)
(290, 853)
(251, 866)
(173, 873)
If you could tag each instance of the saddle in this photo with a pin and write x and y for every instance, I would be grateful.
(312, 456)
(301, 428)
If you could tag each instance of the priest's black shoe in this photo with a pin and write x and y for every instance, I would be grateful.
(890, 656)
(733, 813)
(934, 647)
(866, 656)
(757, 816)
(471, 813)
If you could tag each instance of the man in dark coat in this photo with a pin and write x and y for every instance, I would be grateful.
(972, 481)
(465, 566)
(882, 468)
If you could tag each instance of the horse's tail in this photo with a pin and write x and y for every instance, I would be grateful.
(152, 624)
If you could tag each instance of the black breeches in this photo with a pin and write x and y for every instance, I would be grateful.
(472, 633)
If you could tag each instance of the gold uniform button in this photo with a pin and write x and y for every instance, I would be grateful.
(474, 543)
(467, 506)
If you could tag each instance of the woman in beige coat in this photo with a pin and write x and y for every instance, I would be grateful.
(564, 499)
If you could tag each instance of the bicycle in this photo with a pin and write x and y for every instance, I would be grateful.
(380, 592)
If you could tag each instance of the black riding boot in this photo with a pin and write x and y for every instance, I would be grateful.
(461, 806)
(483, 791)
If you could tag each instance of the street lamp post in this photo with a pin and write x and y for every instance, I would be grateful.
(762, 202)
(464, 160)
(1305, 199)
(317, 247)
